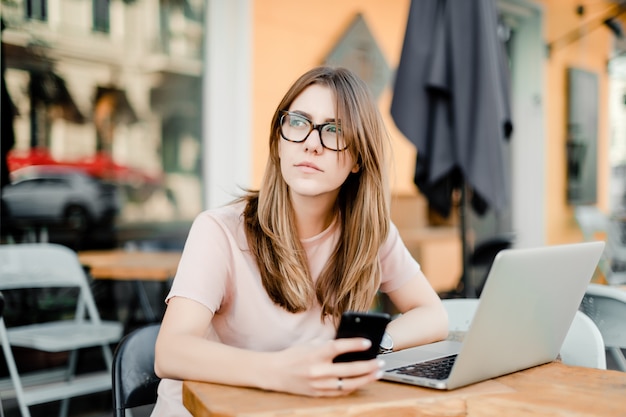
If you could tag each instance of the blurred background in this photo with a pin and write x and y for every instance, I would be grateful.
(165, 105)
(123, 119)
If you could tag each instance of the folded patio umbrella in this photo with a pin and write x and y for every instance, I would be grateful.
(451, 100)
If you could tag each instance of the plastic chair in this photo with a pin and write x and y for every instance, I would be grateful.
(40, 266)
(134, 381)
(583, 344)
(606, 306)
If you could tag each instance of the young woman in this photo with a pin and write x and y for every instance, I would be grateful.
(262, 282)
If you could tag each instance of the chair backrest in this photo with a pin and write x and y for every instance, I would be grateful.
(41, 267)
(583, 345)
(606, 306)
(134, 381)
(45, 265)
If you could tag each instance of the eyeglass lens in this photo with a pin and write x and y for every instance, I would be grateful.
(296, 128)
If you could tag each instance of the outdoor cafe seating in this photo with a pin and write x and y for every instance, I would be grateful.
(584, 345)
(55, 272)
(606, 306)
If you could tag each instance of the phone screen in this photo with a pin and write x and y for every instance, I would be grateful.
(368, 325)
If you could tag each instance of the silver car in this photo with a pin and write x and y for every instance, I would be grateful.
(60, 195)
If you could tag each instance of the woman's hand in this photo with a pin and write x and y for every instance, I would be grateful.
(309, 369)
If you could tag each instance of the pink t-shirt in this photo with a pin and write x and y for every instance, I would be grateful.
(218, 271)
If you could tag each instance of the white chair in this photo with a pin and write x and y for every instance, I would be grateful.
(582, 346)
(41, 266)
(606, 306)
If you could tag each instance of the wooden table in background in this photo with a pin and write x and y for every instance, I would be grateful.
(553, 389)
(135, 267)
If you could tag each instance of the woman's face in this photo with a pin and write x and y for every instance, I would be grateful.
(309, 169)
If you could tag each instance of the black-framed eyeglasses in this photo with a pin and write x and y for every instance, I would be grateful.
(295, 127)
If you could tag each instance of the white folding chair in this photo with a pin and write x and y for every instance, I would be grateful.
(582, 346)
(49, 266)
(606, 306)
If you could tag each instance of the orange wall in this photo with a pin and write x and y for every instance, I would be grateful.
(590, 53)
(291, 37)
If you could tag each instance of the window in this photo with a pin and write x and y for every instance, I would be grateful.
(37, 9)
(101, 19)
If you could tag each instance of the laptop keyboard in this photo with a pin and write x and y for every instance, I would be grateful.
(434, 369)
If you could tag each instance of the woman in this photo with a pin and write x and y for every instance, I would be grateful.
(262, 282)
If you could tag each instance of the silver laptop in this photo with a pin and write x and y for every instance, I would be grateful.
(525, 311)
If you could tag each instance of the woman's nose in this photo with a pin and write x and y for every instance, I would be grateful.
(313, 142)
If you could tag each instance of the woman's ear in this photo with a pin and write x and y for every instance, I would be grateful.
(356, 168)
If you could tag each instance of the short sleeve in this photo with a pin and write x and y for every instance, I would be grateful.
(205, 266)
(397, 263)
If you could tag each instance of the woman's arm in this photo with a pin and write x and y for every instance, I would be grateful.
(183, 352)
(423, 319)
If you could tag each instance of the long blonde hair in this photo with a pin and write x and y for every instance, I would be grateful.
(351, 277)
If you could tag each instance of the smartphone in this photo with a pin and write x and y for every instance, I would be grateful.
(360, 324)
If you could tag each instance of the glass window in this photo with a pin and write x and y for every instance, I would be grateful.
(101, 16)
(37, 9)
(135, 123)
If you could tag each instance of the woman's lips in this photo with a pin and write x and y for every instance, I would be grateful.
(308, 167)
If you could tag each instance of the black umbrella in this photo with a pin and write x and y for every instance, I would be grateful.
(451, 100)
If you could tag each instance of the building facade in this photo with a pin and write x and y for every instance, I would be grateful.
(114, 86)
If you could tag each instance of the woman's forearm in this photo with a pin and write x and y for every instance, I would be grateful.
(193, 358)
(419, 326)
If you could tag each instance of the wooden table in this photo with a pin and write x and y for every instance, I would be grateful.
(119, 264)
(133, 266)
(553, 390)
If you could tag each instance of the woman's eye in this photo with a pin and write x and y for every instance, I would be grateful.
(295, 121)
(332, 128)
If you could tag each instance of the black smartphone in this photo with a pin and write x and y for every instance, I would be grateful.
(369, 325)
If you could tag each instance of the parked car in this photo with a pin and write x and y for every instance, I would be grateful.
(50, 194)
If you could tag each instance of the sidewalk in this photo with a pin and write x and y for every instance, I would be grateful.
(96, 405)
